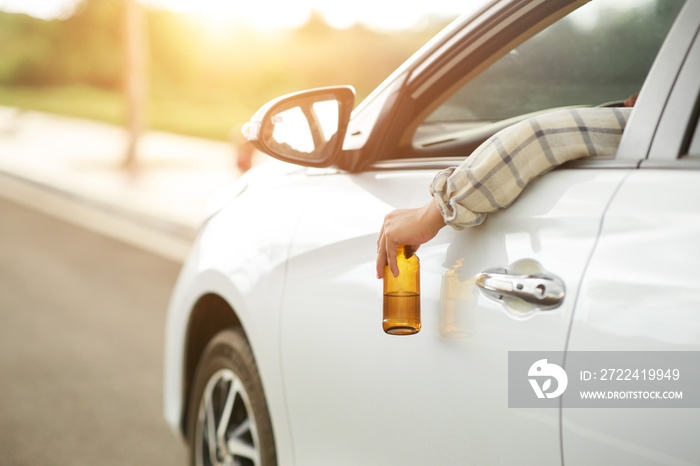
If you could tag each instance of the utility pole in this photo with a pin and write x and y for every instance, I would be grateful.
(136, 81)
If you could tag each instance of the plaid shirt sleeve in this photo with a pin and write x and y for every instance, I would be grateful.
(495, 174)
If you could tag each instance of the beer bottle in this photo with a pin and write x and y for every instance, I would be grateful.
(402, 295)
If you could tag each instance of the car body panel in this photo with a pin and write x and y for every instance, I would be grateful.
(333, 308)
(640, 293)
(244, 263)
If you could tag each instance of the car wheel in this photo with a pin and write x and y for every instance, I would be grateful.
(228, 420)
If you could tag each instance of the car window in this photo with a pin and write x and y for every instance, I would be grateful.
(598, 55)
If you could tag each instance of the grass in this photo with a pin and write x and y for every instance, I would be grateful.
(77, 101)
(212, 120)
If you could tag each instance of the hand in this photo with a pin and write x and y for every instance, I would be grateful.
(411, 227)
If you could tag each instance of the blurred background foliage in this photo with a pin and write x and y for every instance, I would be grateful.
(205, 77)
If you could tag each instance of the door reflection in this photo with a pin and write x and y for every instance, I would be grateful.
(458, 297)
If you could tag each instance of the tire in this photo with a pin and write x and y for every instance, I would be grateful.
(228, 420)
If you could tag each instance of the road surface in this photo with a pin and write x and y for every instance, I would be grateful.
(81, 347)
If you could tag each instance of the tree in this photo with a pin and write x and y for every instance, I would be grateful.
(135, 79)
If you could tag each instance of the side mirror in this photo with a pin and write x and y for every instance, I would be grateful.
(306, 128)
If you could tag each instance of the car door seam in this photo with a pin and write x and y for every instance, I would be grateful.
(578, 294)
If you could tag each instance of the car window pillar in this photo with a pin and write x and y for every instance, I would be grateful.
(672, 137)
(637, 139)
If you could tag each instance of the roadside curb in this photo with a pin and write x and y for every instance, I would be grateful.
(162, 236)
(72, 169)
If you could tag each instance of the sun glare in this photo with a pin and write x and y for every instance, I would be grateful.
(261, 15)
(276, 14)
(283, 14)
(43, 9)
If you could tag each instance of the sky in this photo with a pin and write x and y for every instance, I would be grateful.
(381, 14)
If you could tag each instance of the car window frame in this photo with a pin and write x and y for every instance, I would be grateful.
(677, 125)
(660, 129)
(636, 141)
(530, 20)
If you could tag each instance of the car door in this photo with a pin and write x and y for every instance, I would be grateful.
(640, 293)
(359, 396)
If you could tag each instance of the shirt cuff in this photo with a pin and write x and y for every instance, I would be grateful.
(455, 214)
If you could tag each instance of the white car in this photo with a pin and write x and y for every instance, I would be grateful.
(275, 351)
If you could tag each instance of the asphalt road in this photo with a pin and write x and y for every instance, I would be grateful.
(81, 347)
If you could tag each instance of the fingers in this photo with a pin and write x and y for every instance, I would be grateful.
(381, 254)
(391, 259)
(399, 227)
(387, 256)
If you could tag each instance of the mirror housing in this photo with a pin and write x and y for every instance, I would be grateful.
(306, 128)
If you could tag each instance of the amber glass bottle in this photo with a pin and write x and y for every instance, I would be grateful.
(402, 295)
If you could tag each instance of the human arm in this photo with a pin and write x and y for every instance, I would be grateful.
(495, 174)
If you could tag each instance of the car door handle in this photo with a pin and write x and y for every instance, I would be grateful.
(542, 290)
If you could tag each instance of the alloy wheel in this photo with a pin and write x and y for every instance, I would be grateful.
(226, 431)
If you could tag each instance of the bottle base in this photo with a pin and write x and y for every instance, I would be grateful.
(401, 330)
